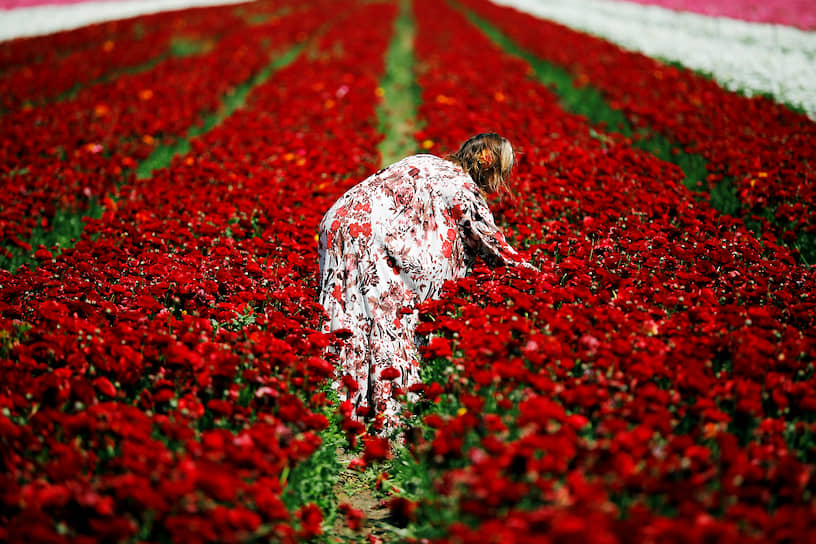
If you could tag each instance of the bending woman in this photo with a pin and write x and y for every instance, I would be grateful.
(391, 242)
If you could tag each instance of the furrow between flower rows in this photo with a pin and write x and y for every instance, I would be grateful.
(401, 96)
(162, 379)
(766, 150)
(654, 381)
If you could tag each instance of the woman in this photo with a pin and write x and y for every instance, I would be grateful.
(391, 242)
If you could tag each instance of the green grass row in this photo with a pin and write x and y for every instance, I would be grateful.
(400, 94)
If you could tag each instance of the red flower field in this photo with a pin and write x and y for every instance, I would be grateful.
(766, 149)
(164, 377)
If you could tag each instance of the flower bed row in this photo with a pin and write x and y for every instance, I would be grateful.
(33, 50)
(124, 45)
(798, 13)
(162, 379)
(653, 383)
(65, 154)
(765, 148)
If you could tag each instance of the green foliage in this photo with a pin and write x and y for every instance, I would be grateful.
(238, 322)
(315, 479)
(724, 198)
(138, 30)
(10, 338)
(261, 18)
(161, 157)
(184, 47)
(66, 226)
(692, 164)
(806, 244)
(414, 477)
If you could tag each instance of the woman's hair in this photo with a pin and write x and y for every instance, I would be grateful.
(488, 158)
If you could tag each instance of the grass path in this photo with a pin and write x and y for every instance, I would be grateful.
(356, 489)
(399, 91)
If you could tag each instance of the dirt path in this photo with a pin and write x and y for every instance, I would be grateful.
(355, 488)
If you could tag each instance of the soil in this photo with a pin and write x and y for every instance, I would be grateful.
(352, 488)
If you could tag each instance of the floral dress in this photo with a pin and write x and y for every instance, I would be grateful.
(389, 243)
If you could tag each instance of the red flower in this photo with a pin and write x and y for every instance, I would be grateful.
(42, 254)
(376, 449)
(389, 373)
(438, 347)
(349, 383)
(104, 386)
(311, 520)
(402, 510)
(354, 517)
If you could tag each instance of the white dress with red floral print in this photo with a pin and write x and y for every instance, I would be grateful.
(391, 242)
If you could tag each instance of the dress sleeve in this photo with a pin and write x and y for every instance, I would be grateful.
(480, 232)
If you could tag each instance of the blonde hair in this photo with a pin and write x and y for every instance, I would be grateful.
(488, 158)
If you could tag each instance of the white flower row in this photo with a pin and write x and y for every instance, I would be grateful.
(37, 20)
(748, 57)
